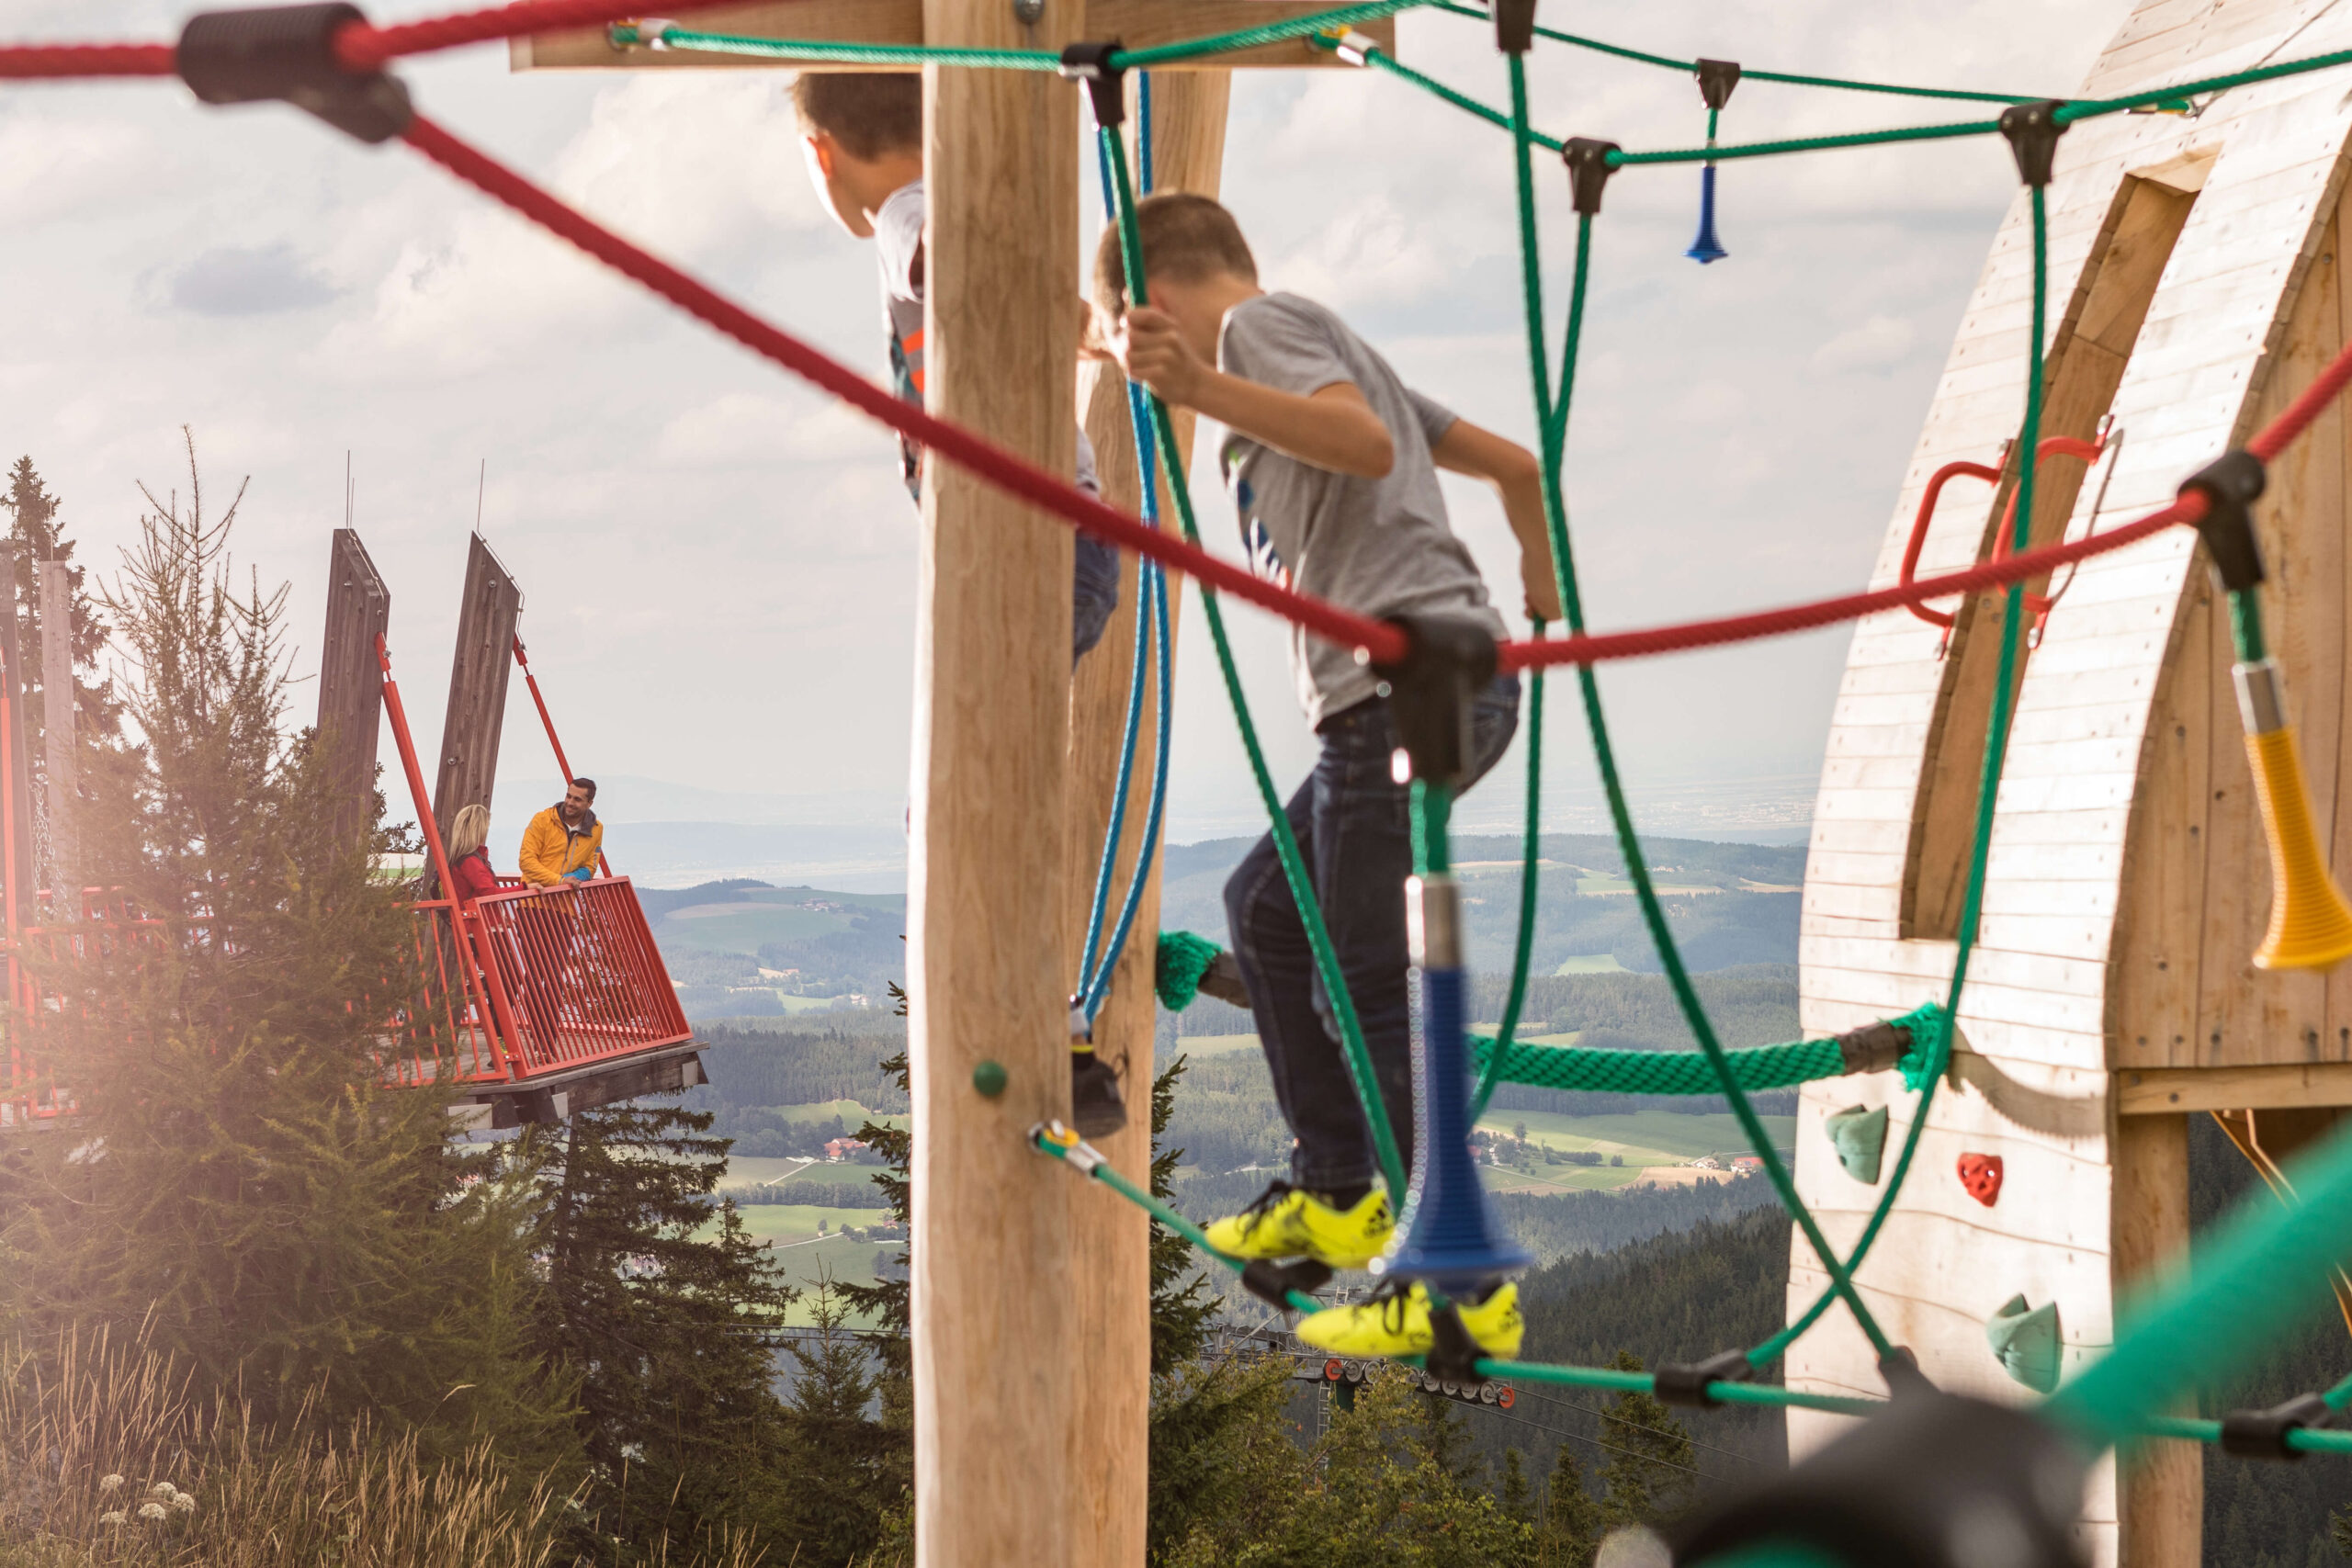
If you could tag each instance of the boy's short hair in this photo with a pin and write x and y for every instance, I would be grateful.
(1185, 238)
(869, 112)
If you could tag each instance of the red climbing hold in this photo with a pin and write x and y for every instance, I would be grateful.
(1981, 1173)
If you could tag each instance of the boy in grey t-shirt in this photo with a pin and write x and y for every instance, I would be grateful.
(1332, 463)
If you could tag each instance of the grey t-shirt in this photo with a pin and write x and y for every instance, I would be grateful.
(1379, 547)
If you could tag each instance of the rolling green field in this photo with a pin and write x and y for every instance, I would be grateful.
(1644, 1137)
(746, 919)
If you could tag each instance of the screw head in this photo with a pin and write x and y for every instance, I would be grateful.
(989, 1079)
(1028, 11)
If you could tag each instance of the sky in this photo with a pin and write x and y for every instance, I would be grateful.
(718, 563)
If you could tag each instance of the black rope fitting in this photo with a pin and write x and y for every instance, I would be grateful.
(1716, 79)
(2262, 1434)
(1874, 1048)
(1924, 1482)
(1106, 82)
(2231, 484)
(286, 54)
(1688, 1383)
(1272, 1282)
(1455, 1357)
(1514, 26)
(1589, 171)
(2033, 130)
(1447, 660)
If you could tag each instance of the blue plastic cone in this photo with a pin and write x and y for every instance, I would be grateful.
(1706, 247)
(1451, 1237)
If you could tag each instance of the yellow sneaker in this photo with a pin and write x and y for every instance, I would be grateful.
(1286, 1222)
(1397, 1323)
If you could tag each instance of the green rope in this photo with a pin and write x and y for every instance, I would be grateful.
(629, 33)
(1181, 962)
(1270, 32)
(1997, 742)
(2163, 97)
(626, 33)
(2246, 626)
(1657, 1072)
(1806, 143)
(1746, 75)
(1516, 996)
(1293, 864)
(1554, 431)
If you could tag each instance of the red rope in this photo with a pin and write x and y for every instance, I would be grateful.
(1595, 649)
(1016, 476)
(361, 47)
(62, 62)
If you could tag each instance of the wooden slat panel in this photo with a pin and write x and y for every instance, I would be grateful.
(359, 610)
(478, 672)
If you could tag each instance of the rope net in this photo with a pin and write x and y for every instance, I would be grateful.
(2120, 1396)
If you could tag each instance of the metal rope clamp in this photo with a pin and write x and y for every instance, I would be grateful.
(287, 54)
(1691, 1384)
(1095, 63)
(2262, 1434)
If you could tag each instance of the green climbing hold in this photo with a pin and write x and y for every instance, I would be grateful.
(1858, 1135)
(2024, 1341)
(989, 1079)
(1184, 958)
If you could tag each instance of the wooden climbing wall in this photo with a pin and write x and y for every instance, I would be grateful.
(2194, 287)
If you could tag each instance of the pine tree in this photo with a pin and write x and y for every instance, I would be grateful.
(1651, 1461)
(235, 1182)
(667, 1312)
(1574, 1520)
(1183, 1301)
(848, 1469)
(37, 534)
(1517, 1499)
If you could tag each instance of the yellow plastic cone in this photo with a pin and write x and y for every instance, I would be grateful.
(2310, 926)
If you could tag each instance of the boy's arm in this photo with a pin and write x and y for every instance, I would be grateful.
(1513, 471)
(1331, 428)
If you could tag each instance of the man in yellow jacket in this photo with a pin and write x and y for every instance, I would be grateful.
(562, 843)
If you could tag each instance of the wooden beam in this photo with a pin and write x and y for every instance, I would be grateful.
(477, 671)
(55, 585)
(20, 777)
(1139, 24)
(992, 1318)
(359, 610)
(2156, 1091)
(2161, 1487)
(1111, 1353)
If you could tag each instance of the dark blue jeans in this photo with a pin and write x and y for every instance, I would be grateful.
(1353, 825)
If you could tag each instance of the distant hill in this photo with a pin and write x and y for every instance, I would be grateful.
(741, 948)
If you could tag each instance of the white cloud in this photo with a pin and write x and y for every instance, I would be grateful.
(1879, 344)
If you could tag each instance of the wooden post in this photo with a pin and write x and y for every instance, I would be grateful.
(2161, 1488)
(1111, 1355)
(12, 672)
(995, 1392)
(477, 686)
(359, 610)
(55, 585)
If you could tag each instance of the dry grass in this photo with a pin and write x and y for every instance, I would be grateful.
(106, 1459)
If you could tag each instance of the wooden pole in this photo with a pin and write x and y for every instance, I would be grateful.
(20, 793)
(993, 1325)
(478, 670)
(1111, 1355)
(359, 610)
(55, 586)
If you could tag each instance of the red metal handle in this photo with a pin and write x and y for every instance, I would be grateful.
(1919, 530)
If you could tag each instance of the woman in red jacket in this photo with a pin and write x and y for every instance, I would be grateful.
(469, 854)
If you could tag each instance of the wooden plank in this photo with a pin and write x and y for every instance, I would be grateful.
(1139, 24)
(1111, 1357)
(992, 1316)
(59, 755)
(359, 610)
(477, 671)
(2157, 1092)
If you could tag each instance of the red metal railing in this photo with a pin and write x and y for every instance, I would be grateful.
(532, 981)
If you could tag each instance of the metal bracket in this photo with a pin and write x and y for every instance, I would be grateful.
(286, 54)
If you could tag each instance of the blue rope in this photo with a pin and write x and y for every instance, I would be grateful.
(1152, 641)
